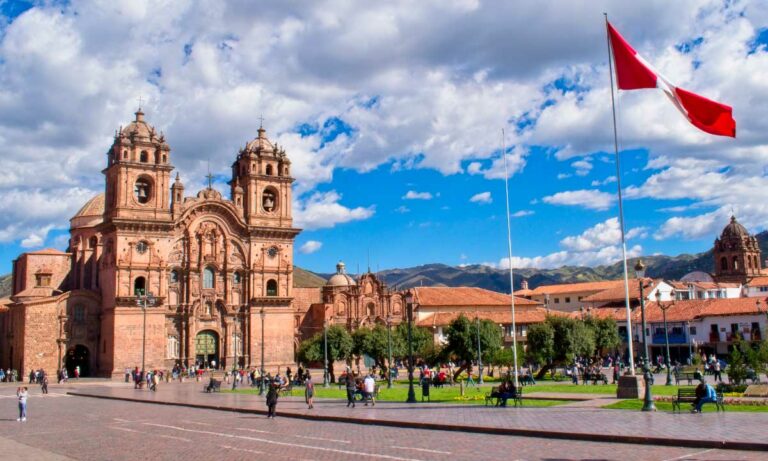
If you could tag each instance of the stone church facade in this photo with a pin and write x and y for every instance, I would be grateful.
(219, 271)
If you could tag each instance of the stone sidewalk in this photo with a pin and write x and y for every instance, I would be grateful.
(743, 431)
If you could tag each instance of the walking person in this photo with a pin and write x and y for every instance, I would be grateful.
(22, 395)
(44, 384)
(717, 370)
(309, 392)
(272, 395)
(369, 389)
(351, 388)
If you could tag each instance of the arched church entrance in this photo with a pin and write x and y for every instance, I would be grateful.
(78, 356)
(207, 349)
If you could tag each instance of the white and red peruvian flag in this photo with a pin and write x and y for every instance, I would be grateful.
(633, 73)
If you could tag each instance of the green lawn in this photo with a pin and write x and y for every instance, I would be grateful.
(667, 406)
(473, 396)
(658, 389)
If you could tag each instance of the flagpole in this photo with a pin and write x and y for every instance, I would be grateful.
(509, 248)
(621, 206)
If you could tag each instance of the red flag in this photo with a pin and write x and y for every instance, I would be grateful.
(633, 73)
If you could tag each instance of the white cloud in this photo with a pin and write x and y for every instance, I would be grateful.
(522, 213)
(563, 175)
(482, 198)
(608, 180)
(590, 199)
(322, 209)
(310, 246)
(413, 195)
(597, 245)
(402, 209)
(582, 167)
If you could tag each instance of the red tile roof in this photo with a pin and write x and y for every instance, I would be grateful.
(692, 309)
(47, 251)
(576, 287)
(616, 292)
(502, 316)
(758, 282)
(619, 314)
(465, 296)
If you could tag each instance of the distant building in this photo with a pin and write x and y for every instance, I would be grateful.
(736, 255)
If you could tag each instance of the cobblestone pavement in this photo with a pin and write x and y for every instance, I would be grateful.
(62, 427)
(728, 426)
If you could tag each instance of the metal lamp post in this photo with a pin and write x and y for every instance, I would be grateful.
(262, 314)
(409, 309)
(326, 382)
(648, 404)
(479, 352)
(143, 301)
(690, 340)
(389, 347)
(235, 373)
(666, 334)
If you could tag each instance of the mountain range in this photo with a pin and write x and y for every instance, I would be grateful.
(476, 275)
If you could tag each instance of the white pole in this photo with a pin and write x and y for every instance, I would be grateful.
(621, 207)
(509, 248)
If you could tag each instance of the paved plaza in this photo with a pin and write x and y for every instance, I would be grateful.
(64, 426)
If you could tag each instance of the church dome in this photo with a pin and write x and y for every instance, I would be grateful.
(91, 214)
(340, 278)
(261, 144)
(139, 129)
(734, 230)
(93, 207)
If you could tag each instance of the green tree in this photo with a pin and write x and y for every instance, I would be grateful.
(340, 347)
(606, 334)
(423, 341)
(373, 343)
(541, 343)
(461, 344)
(558, 340)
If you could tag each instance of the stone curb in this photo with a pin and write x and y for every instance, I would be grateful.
(611, 438)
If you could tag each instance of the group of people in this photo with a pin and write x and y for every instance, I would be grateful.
(9, 376)
(150, 379)
(364, 386)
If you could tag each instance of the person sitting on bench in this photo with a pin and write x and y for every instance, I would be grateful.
(506, 391)
(704, 394)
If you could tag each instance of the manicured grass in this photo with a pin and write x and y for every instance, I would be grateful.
(637, 405)
(658, 389)
(472, 396)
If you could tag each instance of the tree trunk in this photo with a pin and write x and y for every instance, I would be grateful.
(459, 371)
(543, 371)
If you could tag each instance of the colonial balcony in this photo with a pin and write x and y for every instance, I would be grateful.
(674, 338)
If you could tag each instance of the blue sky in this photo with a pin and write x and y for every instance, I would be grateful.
(392, 116)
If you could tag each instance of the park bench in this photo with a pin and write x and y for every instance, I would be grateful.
(688, 395)
(687, 374)
(526, 380)
(493, 397)
(594, 377)
(213, 386)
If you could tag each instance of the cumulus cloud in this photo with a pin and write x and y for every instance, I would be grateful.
(322, 210)
(522, 213)
(310, 246)
(482, 198)
(597, 245)
(590, 199)
(413, 195)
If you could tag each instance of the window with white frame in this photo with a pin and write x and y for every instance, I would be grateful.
(173, 347)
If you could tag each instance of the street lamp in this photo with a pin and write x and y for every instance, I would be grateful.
(235, 373)
(262, 314)
(648, 404)
(666, 333)
(389, 346)
(690, 340)
(479, 352)
(144, 301)
(326, 383)
(409, 309)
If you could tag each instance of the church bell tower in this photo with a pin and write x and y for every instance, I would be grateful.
(138, 173)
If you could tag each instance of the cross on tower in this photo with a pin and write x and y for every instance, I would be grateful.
(140, 100)
(261, 121)
(209, 176)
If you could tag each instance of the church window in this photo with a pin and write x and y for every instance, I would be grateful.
(207, 277)
(285, 171)
(142, 190)
(173, 347)
(144, 157)
(92, 242)
(43, 280)
(157, 157)
(125, 154)
(735, 263)
(724, 263)
(271, 288)
(269, 200)
(269, 170)
(371, 309)
(78, 314)
(142, 247)
(139, 286)
(174, 278)
(237, 278)
(165, 158)
(208, 309)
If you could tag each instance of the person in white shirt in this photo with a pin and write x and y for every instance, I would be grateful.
(22, 394)
(369, 387)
